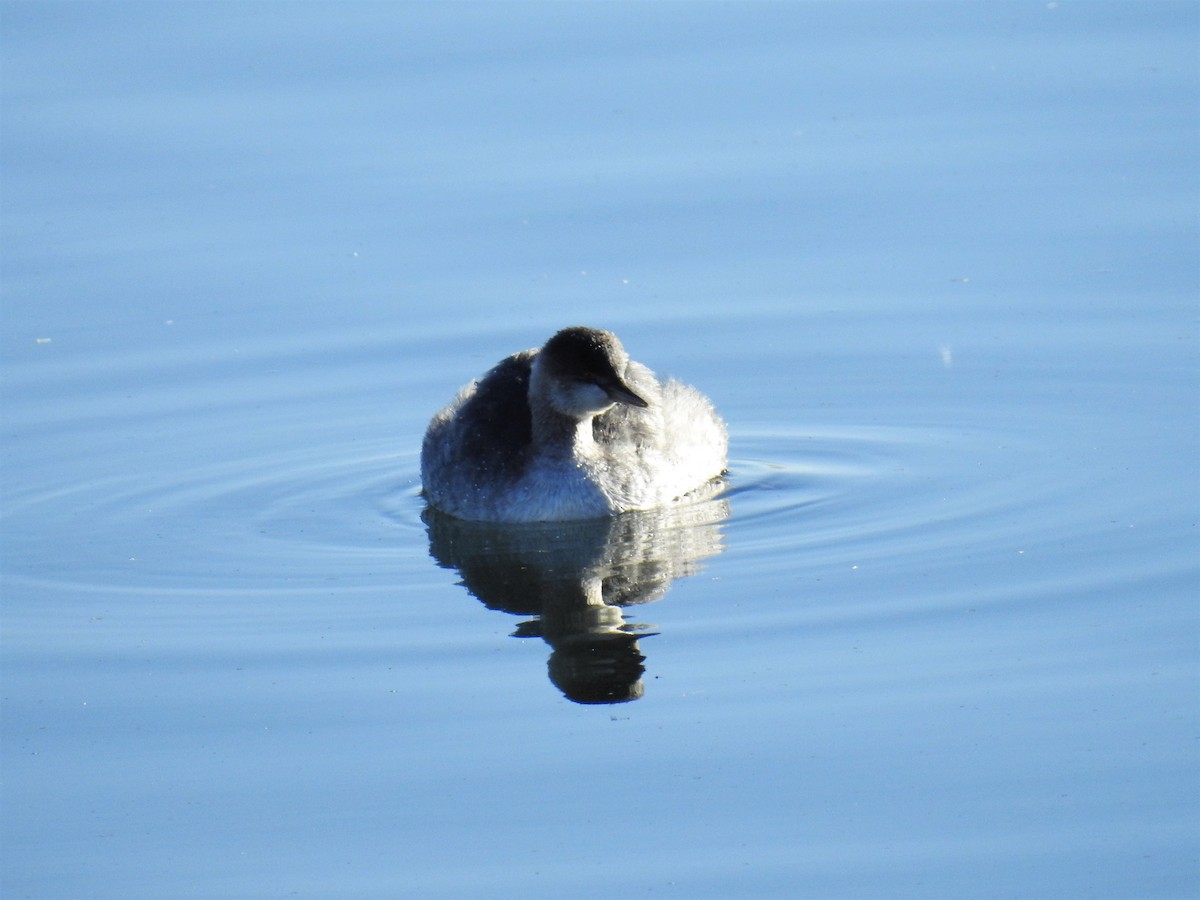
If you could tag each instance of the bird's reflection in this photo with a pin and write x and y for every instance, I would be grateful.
(574, 581)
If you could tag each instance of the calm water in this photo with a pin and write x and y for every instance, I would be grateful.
(937, 265)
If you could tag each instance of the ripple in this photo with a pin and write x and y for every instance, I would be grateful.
(901, 500)
(296, 518)
(931, 507)
(888, 498)
(349, 510)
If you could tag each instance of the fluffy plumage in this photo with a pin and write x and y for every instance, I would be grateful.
(575, 430)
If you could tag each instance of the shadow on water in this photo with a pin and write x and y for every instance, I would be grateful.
(574, 580)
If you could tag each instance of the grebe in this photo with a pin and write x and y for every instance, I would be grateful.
(575, 430)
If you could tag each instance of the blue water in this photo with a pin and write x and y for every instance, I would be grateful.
(938, 265)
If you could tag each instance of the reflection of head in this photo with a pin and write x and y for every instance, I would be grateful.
(602, 668)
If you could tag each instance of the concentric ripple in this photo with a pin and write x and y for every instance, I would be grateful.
(350, 511)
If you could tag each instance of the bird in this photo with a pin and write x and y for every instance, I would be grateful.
(572, 430)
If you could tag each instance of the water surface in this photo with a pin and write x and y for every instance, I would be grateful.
(937, 266)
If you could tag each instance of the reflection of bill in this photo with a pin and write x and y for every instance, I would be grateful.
(576, 578)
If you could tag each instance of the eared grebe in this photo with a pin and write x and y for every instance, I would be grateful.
(575, 430)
